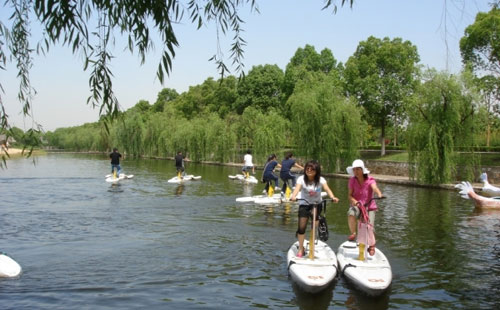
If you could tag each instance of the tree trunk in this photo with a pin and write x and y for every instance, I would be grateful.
(382, 138)
(488, 133)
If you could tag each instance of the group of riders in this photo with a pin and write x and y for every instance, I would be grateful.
(310, 185)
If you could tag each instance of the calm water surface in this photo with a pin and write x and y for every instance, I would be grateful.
(145, 243)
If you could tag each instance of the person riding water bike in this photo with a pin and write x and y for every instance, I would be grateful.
(310, 184)
(361, 188)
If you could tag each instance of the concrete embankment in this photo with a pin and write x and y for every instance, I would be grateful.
(399, 177)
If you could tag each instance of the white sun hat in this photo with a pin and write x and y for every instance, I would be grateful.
(358, 163)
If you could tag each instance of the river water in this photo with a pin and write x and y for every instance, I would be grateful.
(146, 243)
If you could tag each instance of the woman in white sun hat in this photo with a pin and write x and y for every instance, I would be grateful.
(361, 189)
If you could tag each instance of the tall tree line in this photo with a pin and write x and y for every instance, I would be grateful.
(318, 107)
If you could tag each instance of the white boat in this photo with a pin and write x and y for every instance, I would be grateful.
(312, 275)
(9, 268)
(241, 177)
(182, 179)
(488, 190)
(373, 275)
(274, 199)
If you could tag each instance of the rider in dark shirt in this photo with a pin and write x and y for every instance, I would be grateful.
(179, 163)
(115, 161)
(268, 176)
(286, 174)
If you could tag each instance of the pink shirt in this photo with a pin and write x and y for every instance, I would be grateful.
(363, 193)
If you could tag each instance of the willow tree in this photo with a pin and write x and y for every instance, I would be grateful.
(441, 119)
(129, 131)
(245, 127)
(153, 143)
(221, 139)
(326, 125)
(269, 134)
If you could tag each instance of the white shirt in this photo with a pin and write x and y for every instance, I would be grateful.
(248, 160)
(310, 192)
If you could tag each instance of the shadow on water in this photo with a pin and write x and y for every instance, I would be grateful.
(179, 190)
(115, 188)
(357, 300)
(308, 301)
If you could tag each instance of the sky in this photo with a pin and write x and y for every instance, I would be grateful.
(273, 36)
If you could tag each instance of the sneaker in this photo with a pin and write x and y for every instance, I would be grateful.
(264, 192)
(352, 237)
(277, 188)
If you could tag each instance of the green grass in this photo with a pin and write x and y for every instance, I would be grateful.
(398, 157)
(487, 159)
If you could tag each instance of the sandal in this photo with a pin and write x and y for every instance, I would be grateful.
(352, 237)
(301, 254)
(371, 250)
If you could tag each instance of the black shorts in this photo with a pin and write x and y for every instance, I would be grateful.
(306, 210)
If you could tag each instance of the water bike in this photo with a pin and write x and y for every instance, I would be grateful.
(112, 178)
(318, 267)
(182, 178)
(371, 274)
(9, 268)
(244, 178)
(271, 198)
(488, 190)
(467, 191)
(267, 199)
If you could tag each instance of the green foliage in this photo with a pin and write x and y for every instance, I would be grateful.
(307, 60)
(221, 140)
(153, 142)
(269, 134)
(325, 125)
(260, 88)
(381, 74)
(480, 45)
(441, 118)
(165, 96)
(129, 133)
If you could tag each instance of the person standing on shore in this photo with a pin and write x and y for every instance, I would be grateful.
(115, 161)
(361, 188)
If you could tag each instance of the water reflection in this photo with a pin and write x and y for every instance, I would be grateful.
(357, 300)
(179, 190)
(115, 188)
(287, 213)
(247, 189)
(307, 301)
